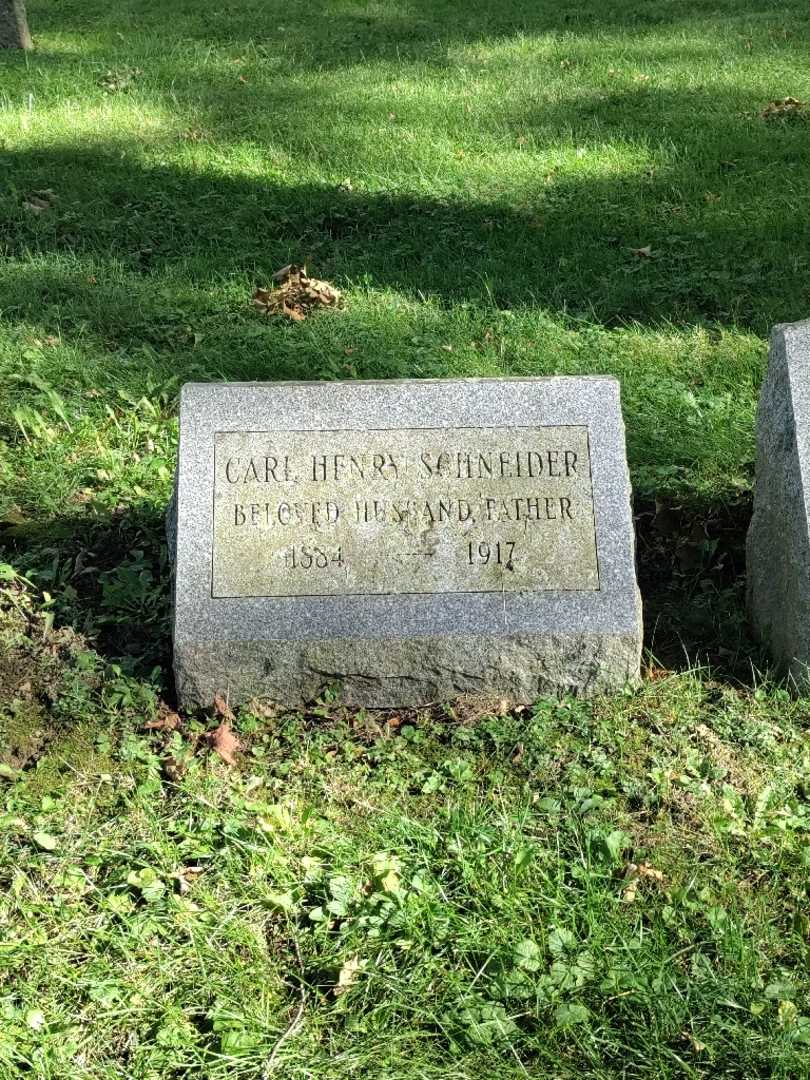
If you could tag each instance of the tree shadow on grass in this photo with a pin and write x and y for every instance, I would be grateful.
(324, 33)
(575, 245)
(691, 567)
(150, 281)
(108, 574)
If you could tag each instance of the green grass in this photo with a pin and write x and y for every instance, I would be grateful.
(616, 889)
(478, 179)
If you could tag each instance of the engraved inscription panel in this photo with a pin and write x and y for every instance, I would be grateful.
(318, 513)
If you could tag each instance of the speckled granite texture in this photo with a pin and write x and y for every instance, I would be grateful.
(778, 547)
(392, 650)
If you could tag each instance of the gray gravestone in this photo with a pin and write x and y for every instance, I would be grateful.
(778, 548)
(410, 540)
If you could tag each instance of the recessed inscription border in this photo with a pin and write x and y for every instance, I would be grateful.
(359, 432)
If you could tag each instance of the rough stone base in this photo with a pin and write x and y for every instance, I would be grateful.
(408, 672)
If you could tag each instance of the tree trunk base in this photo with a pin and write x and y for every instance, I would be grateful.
(14, 32)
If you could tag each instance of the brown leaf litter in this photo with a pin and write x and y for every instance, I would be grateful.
(223, 742)
(295, 294)
(222, 739)
(789, 108)
(167, 720)
(636, 874)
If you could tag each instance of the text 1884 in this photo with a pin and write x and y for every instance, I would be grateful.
(302, 557)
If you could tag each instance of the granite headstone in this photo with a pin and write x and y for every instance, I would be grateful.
(778, 547)
(409, 540)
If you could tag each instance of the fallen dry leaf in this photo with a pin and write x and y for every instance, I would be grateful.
(167, 719)
(656, 674)
(647, 871)
(643, 252)
(789, 108)
(186, 877)
(297, 294)
(172, 769)
(222, 708)
(264, 709)
(636, 874)
(348, 974)
(223, 742)
(696, 1044)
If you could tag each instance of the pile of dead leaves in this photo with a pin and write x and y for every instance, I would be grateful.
(789, 108)
(295, 294)
(221, 740)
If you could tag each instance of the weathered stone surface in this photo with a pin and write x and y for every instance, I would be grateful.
(410, 540)
(778, 546)
(427, 510)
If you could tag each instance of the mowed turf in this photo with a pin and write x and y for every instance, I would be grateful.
(616, 889)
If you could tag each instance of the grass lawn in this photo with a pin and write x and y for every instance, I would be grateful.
(614, 889)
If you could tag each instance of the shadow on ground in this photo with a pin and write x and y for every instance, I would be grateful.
(109, 577)
(327, 33)
(570, 246)
(691, 566)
